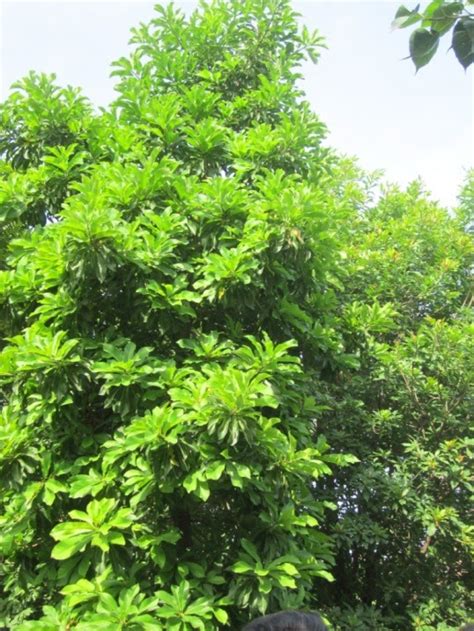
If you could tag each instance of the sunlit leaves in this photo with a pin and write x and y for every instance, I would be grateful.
(179, 612)
(37, 115)
(225, 269)
(157, 396)
(98, 526)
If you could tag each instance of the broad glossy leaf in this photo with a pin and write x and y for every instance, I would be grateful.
(423, 45)
(70, 546)
(463, 41)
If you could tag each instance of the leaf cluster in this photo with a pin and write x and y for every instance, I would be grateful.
(439, 18)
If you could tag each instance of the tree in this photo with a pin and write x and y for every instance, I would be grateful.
(167, 271)
(439, 18)
(403, 532)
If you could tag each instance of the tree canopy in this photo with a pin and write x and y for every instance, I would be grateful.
(162, 260)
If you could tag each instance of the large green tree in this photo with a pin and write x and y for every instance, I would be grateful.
(167, 271)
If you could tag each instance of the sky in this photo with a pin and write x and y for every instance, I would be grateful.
(375, 106)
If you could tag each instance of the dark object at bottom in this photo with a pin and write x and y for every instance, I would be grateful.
(287, 621)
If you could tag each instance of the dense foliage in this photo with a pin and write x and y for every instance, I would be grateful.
(201, 309)
(161, 261)
(403, 528)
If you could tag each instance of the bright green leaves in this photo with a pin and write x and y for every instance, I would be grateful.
(199, 102)
(90, 483)
(266, 356)
(43, 361)
(261, 580)
(437, 19)
(206, 347)
(52, 620)
(64, 163)
(125, 372)
(84, 591)
(18, 193)
(98, 526)
(228, 403)
(292, 522)
(197, 482)
(281, 571)
(131, 187)
(15, 451)
(158, 260)
(175, 296)
(235, 399)
(130, 609)
(154, 239)
(375, 318)
(40, 351)
(51, 488)
(90, 244)
(158, 428)
(162, 117)
(207, 137)
(222, 271)
(39, 114)
(423, 45)
(180, 613)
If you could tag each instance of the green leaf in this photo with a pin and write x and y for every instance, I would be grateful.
(68, 547)
(289, 568)
(221, 615)
(241, 567)
(423, 45)
(444, 17)
(404, 17)
(250, 548)
(287, 581)
(203, 491)
(463, 41)
(215, 470)
(325, 574)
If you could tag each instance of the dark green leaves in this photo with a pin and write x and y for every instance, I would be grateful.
(463, 41)
(423, 45)
(403, 410)
(437, 19)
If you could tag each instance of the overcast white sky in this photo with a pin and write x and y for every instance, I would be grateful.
(371, 100)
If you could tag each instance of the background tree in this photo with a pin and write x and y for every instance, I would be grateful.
(167, 271)
(403, 532)
(436, 20)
